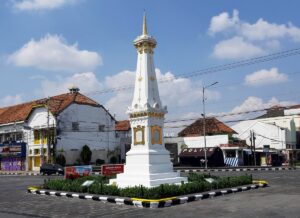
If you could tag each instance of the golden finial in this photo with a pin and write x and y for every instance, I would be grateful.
(145, 32)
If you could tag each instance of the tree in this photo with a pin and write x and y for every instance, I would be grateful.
(86, 154)
(60, 159)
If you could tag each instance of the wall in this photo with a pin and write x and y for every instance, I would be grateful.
(211, 141)
(290, 123)
(271, 135)
(89, 118)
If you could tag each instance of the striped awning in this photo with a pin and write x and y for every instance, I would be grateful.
(231, 161)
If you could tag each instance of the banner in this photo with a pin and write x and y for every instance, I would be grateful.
(112, 169)
(74, 172)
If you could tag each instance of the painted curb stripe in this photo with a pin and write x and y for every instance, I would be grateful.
(128, 202)
(180, 170)
(160, 204)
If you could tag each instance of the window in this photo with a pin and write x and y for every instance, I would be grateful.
(19, 136)
(101, 128)
(230, 153)
(36, 151)
(75, 126)
(37, 137)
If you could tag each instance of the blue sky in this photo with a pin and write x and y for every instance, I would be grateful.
(46, 45)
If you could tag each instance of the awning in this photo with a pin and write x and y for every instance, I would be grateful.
(196, 152)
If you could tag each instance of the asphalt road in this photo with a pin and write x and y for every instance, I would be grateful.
(281, 199)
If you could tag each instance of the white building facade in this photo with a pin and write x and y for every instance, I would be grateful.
(59, 125)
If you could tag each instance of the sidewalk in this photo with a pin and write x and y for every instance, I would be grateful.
(24, 173)
(230, 169)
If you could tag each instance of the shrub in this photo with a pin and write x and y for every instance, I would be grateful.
(196, 184)
(100, 162)
(60, 159)
(86, 154)
(113, 160)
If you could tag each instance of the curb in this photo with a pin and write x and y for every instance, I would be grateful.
(180, 170)
(24, 174)
(146, 203)
(237, 169)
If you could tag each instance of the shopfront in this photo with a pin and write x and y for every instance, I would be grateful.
(13, 157)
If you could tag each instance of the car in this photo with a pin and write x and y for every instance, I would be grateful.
(48, 169)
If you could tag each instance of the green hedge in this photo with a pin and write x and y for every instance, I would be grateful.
(196, 184)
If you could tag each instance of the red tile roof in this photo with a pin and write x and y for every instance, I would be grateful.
(213, 127)
(294, 106)
(56, 105)
(123, 125)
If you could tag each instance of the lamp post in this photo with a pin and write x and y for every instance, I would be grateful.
(204, 120)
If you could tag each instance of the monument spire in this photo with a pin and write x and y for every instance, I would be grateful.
(148, 162)
(145, 32)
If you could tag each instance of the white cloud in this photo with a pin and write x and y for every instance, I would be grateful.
(253, 103)
(263, 30)
(53, 54)
(87, 82)
(176, 92)
(223, 22)
(236, 48)
(28, 5)
(265, 77)
(260, 30)
(257, 37)
(10, 100)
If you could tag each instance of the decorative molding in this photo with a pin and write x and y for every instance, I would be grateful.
(145, 47)
(136, 131)
(156, 139)
(149, 114)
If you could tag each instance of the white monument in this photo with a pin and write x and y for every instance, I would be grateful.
(148, 162)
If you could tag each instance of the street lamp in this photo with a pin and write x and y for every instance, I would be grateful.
(204, 120)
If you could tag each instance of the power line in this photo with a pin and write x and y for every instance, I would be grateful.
(213, 69)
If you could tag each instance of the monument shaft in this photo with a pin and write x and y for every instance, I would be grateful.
(148, 162)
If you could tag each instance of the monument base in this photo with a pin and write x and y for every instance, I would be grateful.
(149, 168)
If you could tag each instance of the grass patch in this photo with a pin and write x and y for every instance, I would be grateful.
(196, 184)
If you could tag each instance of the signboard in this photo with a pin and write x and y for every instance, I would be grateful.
(13, 150)
(74, 172)
(112, 169)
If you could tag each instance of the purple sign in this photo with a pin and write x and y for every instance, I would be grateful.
(12, 164)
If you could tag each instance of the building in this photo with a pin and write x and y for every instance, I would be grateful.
(277, 129)
(123, 135)
(61, 124)
(217, 134)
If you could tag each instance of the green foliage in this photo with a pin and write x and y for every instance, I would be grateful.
(86, 154)
(100, 162)
(60, 159)
(183, 146)
(113, 160)
(196, 184)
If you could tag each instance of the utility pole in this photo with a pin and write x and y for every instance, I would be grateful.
(253, 134)
(204, 120)
(48, 132)
(251, 146)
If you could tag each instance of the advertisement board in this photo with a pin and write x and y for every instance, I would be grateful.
(112, 169)
(73, 172)
(13, 150)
